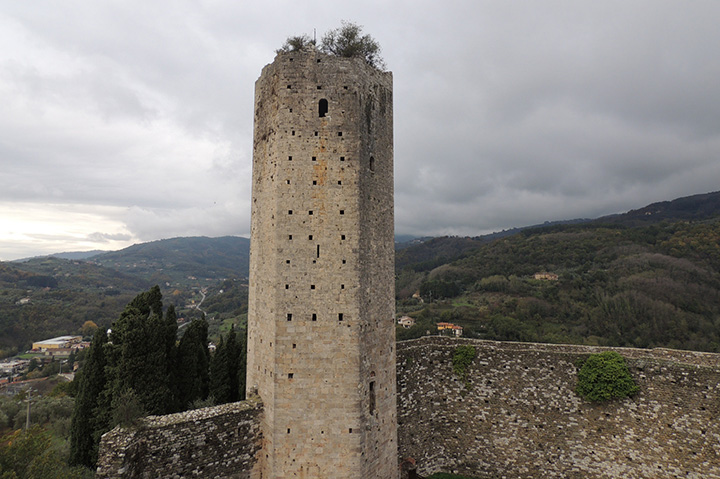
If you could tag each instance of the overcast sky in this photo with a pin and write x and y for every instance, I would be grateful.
(128, 121)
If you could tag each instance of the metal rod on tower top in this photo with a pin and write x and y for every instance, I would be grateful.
(314, 37)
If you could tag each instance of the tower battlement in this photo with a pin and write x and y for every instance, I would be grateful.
(321, 341)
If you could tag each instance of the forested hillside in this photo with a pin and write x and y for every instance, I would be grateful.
(642, 286)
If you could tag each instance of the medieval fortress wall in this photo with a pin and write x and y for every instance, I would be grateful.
(519, 419)
(321, 301)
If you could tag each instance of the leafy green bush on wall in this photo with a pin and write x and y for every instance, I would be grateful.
(462, 358)
(605, 376)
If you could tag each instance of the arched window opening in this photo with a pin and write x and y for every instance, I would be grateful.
(323, 108)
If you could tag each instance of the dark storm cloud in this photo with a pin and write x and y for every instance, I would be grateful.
(506, 113)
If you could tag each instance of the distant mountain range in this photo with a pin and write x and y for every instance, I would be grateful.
(46, 296)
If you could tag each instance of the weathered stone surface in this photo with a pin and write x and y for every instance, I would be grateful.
(321, 334)
(520, 417)
(218, 442)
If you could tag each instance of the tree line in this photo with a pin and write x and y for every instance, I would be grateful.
(139, 368)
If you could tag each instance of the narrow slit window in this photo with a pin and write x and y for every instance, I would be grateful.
(314, 182)
(318, 251)
(287, 286)
(342, 286)
(289, 316)
(316, 133)
(372, 163)
(293, 133)
(314, 316)
(342, 237)
(289, 158)
(322, 108)
(339, 182)
(289, 237)
(371, 398)
(340, 316)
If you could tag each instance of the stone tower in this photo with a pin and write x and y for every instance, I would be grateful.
(321, 340)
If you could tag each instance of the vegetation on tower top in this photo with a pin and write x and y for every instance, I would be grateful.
(344, 41)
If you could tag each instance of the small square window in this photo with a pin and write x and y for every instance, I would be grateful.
(290, 110)
(310, 237)
(314, 182)
(314, 158)
(342, 237)
(342, 212)
(339, 182)
(342, 286)
(287, 261)
(293, 133)
(340, 317)
(342, 158)
(289, 316)
(339, 133)
(344, 261)
(289, 87)
(289, 158)
(287, 181)
(289, 212)
(312, 286)
(310, 212)
(291, 375)
(316, 133)
(294, 345)
(319, 87)
(287, 286)
(289, 237)
(345, 87)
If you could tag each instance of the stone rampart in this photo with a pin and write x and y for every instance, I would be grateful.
(218, 442)
(520, 417)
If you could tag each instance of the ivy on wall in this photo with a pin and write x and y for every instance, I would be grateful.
(605, 376)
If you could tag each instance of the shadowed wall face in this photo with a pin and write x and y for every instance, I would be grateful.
(520, 417)
(321, 341)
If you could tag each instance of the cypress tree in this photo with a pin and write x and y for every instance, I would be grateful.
(191, 376)
(220, 374)
(84, 422)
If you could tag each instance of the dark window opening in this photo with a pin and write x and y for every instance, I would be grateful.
(289, 87)
(314, 316)
(310, 212)
(291, 375)
(287, 261)
(342, 237)
(318, 251)
(339, 133)
(312, 286)
(294, 345)
(289, 237)
(342, 158)
(345, 87)
(310, 237)
(290, 109)
(289, 212)
(339, 182)
(342, 286)
(293, 133)
(288, 430)
(322, 108)
(316, 133)
(289, 316)
(340, 316)
(372, 163)
(314, 182)
(287, 286)
(344, 261)
(319, 87)
(287, 181)
(371, 402)
(314, 158)
(349, 430)
(342, 212)
(289, 158)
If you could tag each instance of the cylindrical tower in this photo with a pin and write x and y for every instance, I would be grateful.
(321, 335)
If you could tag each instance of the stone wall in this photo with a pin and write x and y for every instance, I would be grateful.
(521, 419)
(218, 442)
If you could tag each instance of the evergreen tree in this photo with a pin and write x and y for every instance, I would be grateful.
(242, 363)
(220, 374)
(191, 376)
(92, 381)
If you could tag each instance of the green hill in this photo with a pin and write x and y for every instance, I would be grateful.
(643, 286)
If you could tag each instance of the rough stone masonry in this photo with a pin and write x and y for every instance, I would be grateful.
(321, 307)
